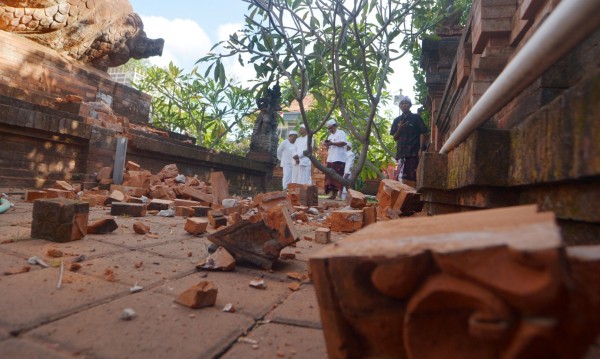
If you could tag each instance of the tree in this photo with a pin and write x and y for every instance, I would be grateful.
(339, 51)
(217, 113)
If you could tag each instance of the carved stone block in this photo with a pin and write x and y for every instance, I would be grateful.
(486, 284)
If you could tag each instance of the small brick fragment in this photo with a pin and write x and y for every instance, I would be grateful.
(196, 225)
(295, 286)
(323, 235)
(219, 260)
(258, 283)
(203, 294)
(141, 228)
(102, 226)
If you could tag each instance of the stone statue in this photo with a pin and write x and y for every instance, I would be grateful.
(101, 33)
(263, 145)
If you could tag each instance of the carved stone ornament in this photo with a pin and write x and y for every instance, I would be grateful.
(486, 284)
(102, 33)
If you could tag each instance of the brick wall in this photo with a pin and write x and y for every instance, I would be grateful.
(543, 147)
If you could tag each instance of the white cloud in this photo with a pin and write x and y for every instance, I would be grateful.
(185, 40)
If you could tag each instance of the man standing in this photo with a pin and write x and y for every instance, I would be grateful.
(301, 172)
(285, 155)
(408, 130)
(336, 157)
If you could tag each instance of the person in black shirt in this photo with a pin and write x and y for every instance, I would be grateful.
(408, 130)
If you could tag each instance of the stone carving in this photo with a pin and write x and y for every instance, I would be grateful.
(487, 284)
(101, 33)
(264, 141)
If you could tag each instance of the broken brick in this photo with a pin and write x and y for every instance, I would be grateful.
(279, 219)
(103, 226)
(116, 196)
(201, 211)
(140, 228)
(294, 286)
(203, 294)
(219, 260)
(197, 195)
(195, 225)
(104, 173)
(186, 203)
(31, 196)
(217, 219)
(132, 166)
(323, 235)
(305, 195)
(265, 201)
(59, 220)
(168, 171)
(59, 193)
(129, 190)
(346, 221)
(184, 211)
(369, 215)
(65, 186)
(157, 204)
(258, 283)
(128, 209)
(219, 187)
(356, 199)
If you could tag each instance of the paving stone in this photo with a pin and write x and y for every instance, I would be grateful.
(161, 329)
(39, 247)
(139, 267)
(34, 298)
(180, 249)
(277, 340)
(25, 348)
(233, 288)
(300, 308)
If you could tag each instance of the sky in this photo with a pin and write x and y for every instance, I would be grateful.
(191, 27)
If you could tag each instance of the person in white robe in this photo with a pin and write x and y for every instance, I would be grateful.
(302, 168)
(285, 155)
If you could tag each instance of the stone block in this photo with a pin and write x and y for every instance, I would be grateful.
(128, 209)
(323, 235)
(432, 171)
(426, 277)
(196, 225)
(203, 294)
(59, 220)
(346, 221)
(32, 195)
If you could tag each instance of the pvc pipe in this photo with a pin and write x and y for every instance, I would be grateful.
(563, 29)
(4, 205)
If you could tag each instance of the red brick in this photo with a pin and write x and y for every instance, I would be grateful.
(140, 228)
(103, 226)
(369, 215)
(132, 166)
(219, 187)
(323, 235)
(59, 220)
(201, 211)
(217, 219)
(169, 171)
(159, 204)
(184, 211)
(356, 199)
(219, 260)
(346, 221)
(65, 186)
(59, 193)
(128, 209)
(196, 225)
(129, 190)
(186, 203)
(197, 195)
(31, 196)
(104, 173)
(203, 294)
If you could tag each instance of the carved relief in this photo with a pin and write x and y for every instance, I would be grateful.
(102, 33)
(488, 284)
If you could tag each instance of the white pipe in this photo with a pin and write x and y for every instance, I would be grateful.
(565, 27)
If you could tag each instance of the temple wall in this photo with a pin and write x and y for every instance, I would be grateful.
(42, 141)
(542, 147)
